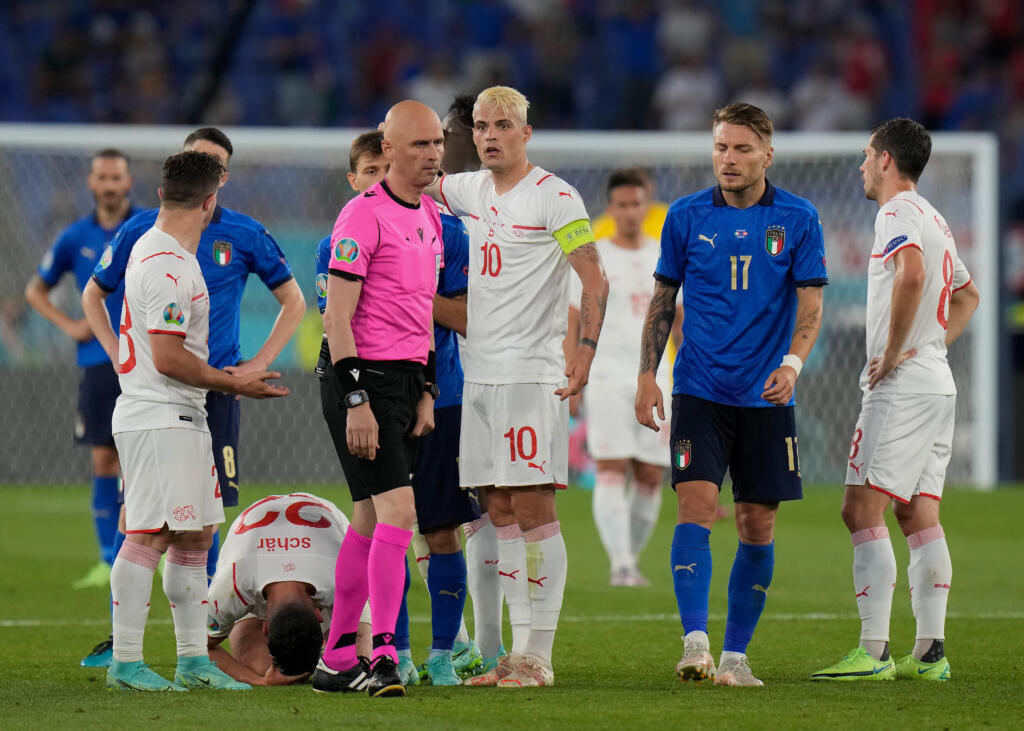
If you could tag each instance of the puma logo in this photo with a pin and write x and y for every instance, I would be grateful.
(566, 193)
(511, 575)
(494, 210)
(758, 587)
(453, 594)
(890, 213)
(702, 237)
(856, 467)
(172, 278)
(538, 466)
(422, 558)
(862, 593)
(539, 582)
(689, 567)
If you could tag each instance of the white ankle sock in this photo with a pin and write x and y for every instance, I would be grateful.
(512, 575)
(186, 590)
(131, 583)
(547, 562)
(644, 507)
(484, 586)
(930, 573)
(612, 517)
(874, 576)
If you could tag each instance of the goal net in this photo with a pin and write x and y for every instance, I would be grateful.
(293, 180)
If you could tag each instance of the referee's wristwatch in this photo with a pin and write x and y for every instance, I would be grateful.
(356, 398)
(433, 390)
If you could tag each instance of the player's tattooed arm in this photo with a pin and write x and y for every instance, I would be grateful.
(808, 321)
(657, 326)
(587, 264)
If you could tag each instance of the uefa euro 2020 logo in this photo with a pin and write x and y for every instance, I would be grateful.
(173, 315)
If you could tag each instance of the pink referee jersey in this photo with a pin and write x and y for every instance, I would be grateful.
(395, 249)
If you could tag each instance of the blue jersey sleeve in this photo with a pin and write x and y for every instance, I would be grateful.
(809, 256)
(454, 278)
(672, 261)
(268, 261)
(59, 260)
(322, 260)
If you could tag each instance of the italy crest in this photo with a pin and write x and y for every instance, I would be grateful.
(775, 240)
(222, 252)
(682, 454)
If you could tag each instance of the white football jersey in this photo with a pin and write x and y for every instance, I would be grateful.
(909, 220)
(630, 275)
(279, 538)
(518, 273)
(164, 292)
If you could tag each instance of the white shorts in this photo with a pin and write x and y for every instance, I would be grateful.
(169, 477)
(612, 429)
(514, 435)
(902, 444)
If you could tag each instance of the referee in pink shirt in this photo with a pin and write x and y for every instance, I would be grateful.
(386, 254)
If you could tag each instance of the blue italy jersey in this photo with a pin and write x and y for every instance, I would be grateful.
(739, 270)
(232, 246)
(78, 249)
(451, 283)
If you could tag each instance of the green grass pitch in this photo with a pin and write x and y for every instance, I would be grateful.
(615, 651)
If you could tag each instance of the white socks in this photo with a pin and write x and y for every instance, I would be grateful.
(930, 573)
(874, 576)
(131, 582)
(186, 589)
(514, 584)
(484, 587)
(547, 563)
(612, 517)
(644, 507)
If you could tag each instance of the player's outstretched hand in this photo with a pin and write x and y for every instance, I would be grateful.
(578, 373)
(879, 368)
(778, 389)
(274, 676)
(649, 399)
(246, 367)
(424, 417)
(361, 432)
(254, 385)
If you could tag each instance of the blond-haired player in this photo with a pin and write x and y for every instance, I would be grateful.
(528, 227)
(920, 298)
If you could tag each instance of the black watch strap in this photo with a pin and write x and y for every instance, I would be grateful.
(433, 390)
(356, 398)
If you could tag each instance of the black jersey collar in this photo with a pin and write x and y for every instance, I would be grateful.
(768, 199)
(395, 198)
(216, 214)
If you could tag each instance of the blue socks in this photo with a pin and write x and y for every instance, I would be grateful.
(105, 512)
(748, 589)
(402, 623)
(211, 558)
(446, 582)
(691, 575)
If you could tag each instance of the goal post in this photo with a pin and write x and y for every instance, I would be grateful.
(293, 180)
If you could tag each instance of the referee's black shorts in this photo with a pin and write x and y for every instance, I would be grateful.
(394, 388)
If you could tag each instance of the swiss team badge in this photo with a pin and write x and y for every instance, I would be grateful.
(222, 252)
(775, 240)
(682, 454)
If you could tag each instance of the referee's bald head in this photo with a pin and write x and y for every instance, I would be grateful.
(413, 143)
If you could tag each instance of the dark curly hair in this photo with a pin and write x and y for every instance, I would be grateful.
(294, 639)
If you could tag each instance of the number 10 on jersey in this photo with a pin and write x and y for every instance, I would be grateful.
(492, 260)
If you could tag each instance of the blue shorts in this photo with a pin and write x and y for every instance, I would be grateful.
(440, 502)
(224, 417)
(97, 394)
(757, 445)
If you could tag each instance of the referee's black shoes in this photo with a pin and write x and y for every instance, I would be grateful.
(384, 680)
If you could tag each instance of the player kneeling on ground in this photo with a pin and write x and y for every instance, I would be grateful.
(274, 590)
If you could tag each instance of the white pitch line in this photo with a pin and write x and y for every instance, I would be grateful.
(568, 619)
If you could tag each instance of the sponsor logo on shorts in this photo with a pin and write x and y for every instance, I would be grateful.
(222, 252)
(346, 250)
(184, 513)
(108, 256)
(321, 285)
(775, 240)
(173, 314)
(682, 454)
(894, 243)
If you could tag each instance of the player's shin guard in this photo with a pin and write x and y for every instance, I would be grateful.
(514, 584)
(874, 576)
(211, 557)
(131, 582)
(386, 574)
(611, 515)
(422, 553)
(484, 584)
(691, 575)
(186, 589)
(105, 512)
(547, 564)
(748, 589)
(402, 623)
(930, 573)
(351, 588)
(447, 585)
(644, 507)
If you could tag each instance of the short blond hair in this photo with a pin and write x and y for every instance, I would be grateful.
(512, 103)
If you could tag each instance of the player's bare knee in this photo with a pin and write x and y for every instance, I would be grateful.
(755, 522)
(863, 507)
(443, 540)
(698, 503)
(919, 514)
(534, 506)
(104, 461)
(646, 475)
